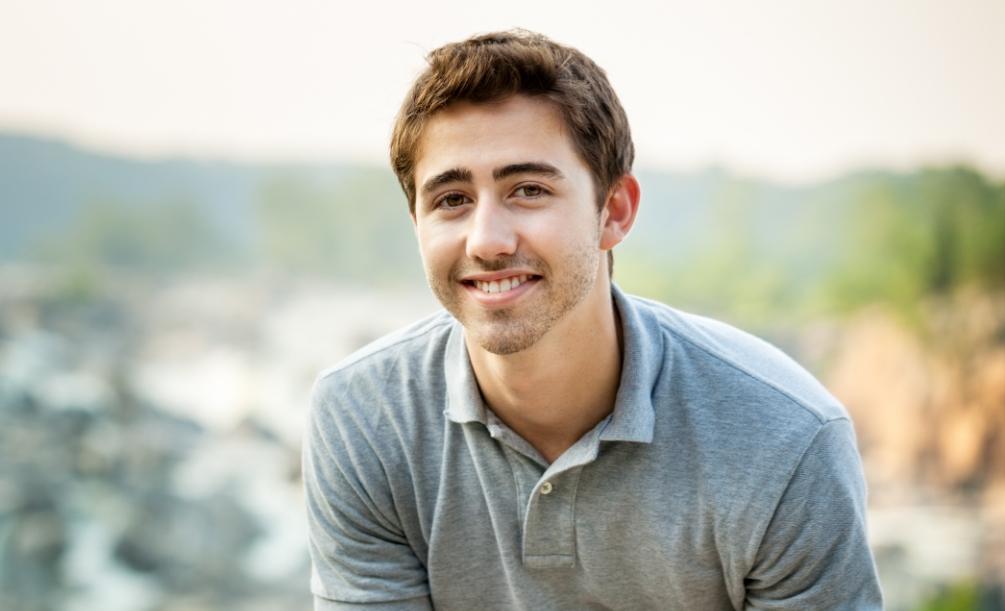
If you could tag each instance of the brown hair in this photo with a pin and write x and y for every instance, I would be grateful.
(491, 67)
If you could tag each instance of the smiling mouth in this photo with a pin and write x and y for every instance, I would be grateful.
(502, 285)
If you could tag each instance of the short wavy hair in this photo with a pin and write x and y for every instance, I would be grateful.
(492, 67)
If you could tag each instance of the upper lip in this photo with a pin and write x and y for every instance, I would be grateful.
(490, 276)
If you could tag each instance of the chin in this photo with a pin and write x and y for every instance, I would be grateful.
(508, 336)
(503, 345)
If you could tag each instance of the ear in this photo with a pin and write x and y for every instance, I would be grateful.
(620, 210)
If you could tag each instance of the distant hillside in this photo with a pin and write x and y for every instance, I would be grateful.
(45, 185)
(709, 238)
(48, 186)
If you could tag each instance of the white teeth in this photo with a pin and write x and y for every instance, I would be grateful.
(501, 286)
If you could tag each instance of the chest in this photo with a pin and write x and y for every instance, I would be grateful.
(626, 529)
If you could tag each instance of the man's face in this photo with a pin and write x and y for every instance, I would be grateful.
(507, 220)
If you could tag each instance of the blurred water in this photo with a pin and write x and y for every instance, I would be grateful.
(151, 439)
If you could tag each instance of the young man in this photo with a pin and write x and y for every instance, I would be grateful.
(549, 442)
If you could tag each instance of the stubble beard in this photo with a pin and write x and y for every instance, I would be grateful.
(512, 330)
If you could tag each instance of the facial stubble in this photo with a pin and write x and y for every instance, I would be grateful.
(514, 329)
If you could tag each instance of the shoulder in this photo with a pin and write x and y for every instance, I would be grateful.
(395, 346)
(737, 362)
(404, 348)
(399, 368)
(754, 422)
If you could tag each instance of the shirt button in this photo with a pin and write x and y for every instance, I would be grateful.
(546, 488)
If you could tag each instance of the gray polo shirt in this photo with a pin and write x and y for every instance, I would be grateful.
(726, 477)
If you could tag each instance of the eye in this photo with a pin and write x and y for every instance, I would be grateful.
(530, 191)
(451, 200)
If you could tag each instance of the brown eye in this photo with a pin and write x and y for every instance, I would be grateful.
(530, 191)
(452, 200)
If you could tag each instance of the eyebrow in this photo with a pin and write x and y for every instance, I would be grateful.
(530, 167)
(451, 175)
(464, 175)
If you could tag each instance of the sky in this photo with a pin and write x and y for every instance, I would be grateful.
(793, 91)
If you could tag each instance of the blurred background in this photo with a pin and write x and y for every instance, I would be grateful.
(196, 216)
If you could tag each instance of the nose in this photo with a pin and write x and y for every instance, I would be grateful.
(491, 231)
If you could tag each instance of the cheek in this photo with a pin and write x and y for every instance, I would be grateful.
(561, 230)
(437, 245)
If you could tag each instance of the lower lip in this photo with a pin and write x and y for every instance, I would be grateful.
(501, 299)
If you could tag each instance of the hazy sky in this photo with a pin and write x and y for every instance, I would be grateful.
(788, 90)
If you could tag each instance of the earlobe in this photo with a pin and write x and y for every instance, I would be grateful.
(620, 210)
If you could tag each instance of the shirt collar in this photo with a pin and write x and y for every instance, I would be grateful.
(464, 398)
(642, 359)
(633, 417)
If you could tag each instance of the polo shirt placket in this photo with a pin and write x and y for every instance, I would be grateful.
(547, 493)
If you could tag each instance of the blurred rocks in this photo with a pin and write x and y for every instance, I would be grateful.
(928, 400)
(100, 504)
(929, 403)
(150, 436)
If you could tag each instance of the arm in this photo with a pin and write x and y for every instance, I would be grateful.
(413, 604)
(359, 556)
(814, 553)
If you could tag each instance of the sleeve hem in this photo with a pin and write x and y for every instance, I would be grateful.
(421, 603)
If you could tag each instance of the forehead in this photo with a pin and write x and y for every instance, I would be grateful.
(486, 135)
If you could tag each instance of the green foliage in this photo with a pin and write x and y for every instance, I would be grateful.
(739, 248)
(867, 238)
(78, 283)
(356, 229)
(936, 233)
(298, 223)
(962, 596)
(160, 237)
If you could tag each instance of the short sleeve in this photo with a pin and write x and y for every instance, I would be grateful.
(815, 552)
(360, 558)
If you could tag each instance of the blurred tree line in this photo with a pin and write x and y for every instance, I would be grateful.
(940, 232)
(873, 237)
(357, 230)
(740, 247)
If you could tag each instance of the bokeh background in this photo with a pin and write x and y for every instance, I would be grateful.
(196, 216)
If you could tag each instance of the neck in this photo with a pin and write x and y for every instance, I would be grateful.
(552, 393)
